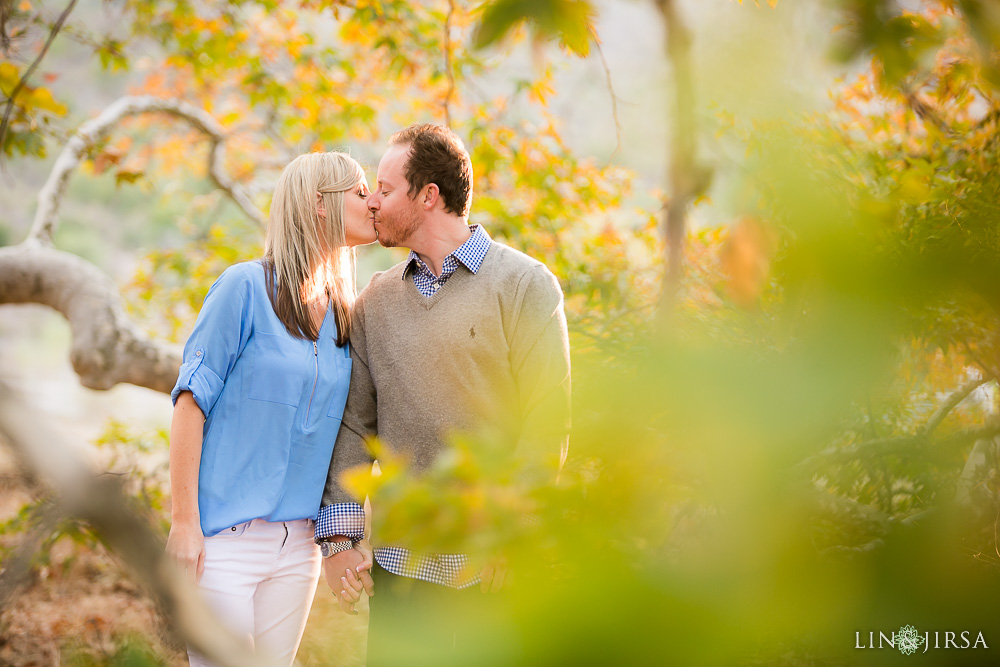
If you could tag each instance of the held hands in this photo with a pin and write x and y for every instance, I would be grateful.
(186, 545)
(348, 573)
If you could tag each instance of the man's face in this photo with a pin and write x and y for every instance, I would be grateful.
(396, 215)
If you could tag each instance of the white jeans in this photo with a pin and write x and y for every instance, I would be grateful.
(260, 578)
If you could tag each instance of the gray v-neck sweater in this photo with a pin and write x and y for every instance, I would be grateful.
(487, 353)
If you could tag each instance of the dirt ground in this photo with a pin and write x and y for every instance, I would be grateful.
(81, 606)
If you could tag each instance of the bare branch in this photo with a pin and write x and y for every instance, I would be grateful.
(447, 63)
(6, 8)
(857, 514)
(611, 91)
(687, 177)
(950, 404)
(845, 551)
(901, 445)
(921, 436)
(57, 26)
(101, 503)
(978, 468)
(106, 347)
(926, 112)
(94, 130)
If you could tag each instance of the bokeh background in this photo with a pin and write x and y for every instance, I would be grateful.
(774, 224)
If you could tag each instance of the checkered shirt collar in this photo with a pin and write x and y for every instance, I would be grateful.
(471, 253)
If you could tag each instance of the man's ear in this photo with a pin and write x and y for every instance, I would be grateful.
(429, 196)
(320, 207)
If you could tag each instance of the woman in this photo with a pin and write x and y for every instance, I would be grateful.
(258, 403)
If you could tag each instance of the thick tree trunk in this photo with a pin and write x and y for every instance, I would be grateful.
(98, 499)
(106, 347)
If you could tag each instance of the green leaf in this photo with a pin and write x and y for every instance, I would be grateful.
(126, 176)
(570, 21)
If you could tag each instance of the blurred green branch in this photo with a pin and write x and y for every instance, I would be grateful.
(903, 445)
(950, 404)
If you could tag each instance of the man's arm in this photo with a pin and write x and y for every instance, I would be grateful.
(341, 517)
(540, 362)
(359, 421)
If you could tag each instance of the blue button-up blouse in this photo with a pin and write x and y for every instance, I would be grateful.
(272, 404)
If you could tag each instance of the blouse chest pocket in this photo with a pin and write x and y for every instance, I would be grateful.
(341, 386)
(277, 373)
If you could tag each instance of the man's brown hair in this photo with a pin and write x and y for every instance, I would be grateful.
(437, 156)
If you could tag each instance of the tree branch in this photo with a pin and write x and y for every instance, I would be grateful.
(106, 348)
(100, 502)
(926, 112)
(922, 434)
(849, 552)
(611, 91)
(687, 177)
(94, 130)
(57, 26)
(6, 8)
(950, 404)
(900, 445)
(447, 63)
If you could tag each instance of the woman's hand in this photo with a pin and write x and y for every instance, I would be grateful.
(186, 545)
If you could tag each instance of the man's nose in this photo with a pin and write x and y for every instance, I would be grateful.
(372, 203)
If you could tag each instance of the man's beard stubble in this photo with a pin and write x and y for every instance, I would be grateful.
(398, 232)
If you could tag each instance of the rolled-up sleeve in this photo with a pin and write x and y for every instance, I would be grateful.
(347, 519)
(220, 334)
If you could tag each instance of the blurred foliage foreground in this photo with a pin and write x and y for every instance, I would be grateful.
(799, 454)
(796, 454)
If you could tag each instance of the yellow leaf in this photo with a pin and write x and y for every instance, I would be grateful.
(9, 76)
(41, 98)
(25, 6)
(125, 176)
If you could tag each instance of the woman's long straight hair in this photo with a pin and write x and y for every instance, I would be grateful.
(305, 256)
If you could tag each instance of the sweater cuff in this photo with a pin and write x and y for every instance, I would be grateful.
(347, 519)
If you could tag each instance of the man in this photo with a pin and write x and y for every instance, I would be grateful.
(466, 335)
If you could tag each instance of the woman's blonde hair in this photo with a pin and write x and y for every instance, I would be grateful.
(306, 256)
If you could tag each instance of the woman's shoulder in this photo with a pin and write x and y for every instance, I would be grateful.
(251, 271)
(248, 270)
(244, 280)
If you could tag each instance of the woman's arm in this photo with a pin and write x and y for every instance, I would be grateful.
(185, 541)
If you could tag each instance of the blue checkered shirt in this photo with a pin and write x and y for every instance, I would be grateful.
(348, 519)
(470, 254)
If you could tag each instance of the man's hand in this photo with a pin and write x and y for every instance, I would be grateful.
(494, 576)
(186, 545)
(348, 573)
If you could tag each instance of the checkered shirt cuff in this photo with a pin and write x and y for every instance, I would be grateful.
(347, 519)
(449, 570)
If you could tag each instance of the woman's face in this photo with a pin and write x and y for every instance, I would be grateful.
(359, 228)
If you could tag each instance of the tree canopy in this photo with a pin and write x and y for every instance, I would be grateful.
(784, 426)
